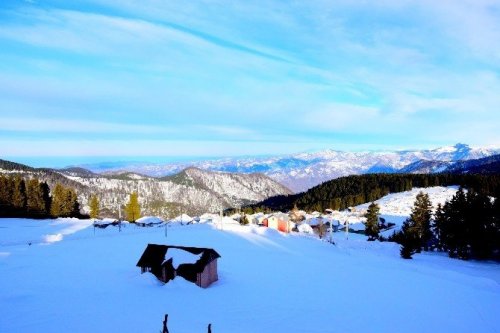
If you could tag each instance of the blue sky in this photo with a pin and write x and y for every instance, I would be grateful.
(105, 79)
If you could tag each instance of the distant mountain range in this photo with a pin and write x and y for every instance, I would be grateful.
(192, 191)
(300, 172)
(219, 184)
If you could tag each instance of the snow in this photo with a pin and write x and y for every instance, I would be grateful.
(183, 218)
(305, 228)
(150, 220)
(181, 257)
(400, 204)
(105, 221)
(268, 282)
(15, 231)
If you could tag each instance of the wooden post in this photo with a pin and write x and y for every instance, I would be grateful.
(165, 328)
(347, 229)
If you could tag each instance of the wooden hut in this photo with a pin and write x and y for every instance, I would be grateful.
(197, 265)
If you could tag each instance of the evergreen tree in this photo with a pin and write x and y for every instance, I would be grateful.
(416, 230)
(47, 200)
(371, 224)
(480, 221)
(408, 238)
(467, 226)
(496, 224)
(133, 208)
(19, 194)
(456, 227)
(439, 227)
(6, 188)
(36, 204)
(64, 202)
(58, 199)
(73, 206)
(421, 216)
(94, 207)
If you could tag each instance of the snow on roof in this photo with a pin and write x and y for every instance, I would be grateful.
(281, 216)
(182, 218)
(104, 221)
(181, 257)
(149, 220)
(226, 220)
(314, 220)
(305, 228)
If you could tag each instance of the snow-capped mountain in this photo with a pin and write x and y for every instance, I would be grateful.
(426, 166)
(302, 171)
(192, 190)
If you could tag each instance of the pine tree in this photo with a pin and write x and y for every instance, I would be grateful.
(133, 209)
(19, 194)
(47, 200)
(371, 224)
(480, 221)
(64, 202)
(35, 198)
(496, 224)
(456, 227)
(421, 216)
(57, 204)
(416, 230)
(94, 207)
(408, 239)
(439, 227)
(73, 204)
(6, 188)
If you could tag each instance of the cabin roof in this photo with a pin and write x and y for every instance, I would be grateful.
(156, 254)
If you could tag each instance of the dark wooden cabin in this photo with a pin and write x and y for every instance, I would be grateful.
(203, 272)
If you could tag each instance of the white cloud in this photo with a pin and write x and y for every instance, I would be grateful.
(211, 68)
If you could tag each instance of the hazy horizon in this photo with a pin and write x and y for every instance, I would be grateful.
(92, 161)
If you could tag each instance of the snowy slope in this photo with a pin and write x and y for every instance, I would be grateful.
(396, 207)
(302, 171)
(268, 282)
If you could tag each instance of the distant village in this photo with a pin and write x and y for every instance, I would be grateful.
(319, 223)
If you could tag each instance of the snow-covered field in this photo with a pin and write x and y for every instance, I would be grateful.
(268, 282)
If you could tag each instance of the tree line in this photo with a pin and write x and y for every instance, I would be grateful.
(344, 192)
(34, 199)
(467, 226)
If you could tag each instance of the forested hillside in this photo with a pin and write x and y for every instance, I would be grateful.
(191, 191)
(349, 191)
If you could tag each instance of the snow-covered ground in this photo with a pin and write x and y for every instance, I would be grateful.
(25, 231)
(268, 282)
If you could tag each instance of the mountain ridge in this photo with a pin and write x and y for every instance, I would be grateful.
(206, 191)
(302, 171)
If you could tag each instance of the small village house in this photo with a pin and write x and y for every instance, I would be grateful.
(197, 265)
(279, 221)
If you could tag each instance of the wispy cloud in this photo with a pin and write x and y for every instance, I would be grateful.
(306, 73)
